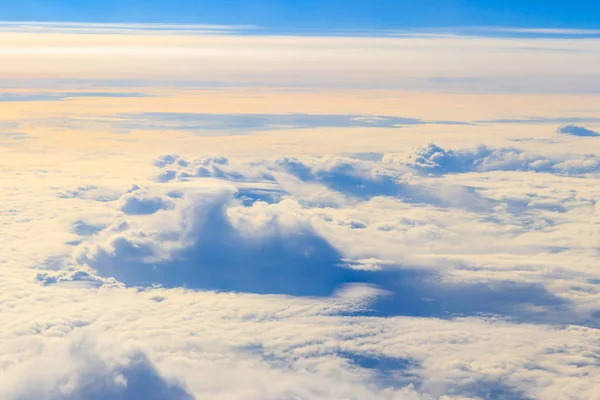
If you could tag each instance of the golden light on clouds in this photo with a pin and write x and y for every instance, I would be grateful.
(401, 62)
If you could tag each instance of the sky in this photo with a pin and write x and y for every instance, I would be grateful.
(319, 15)
(243, 200)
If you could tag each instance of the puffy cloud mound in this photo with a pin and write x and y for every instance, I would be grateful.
(431, 158)
(211, 241)
(435, 159)
(576, 130)
(345, 175)
(88, 372)
(318, 180)
(263, 250)
(174, 167)
(140, 202)
(82, 277)
(169, 159)
(383, 175)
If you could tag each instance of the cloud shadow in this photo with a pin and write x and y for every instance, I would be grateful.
(301, 263)
(140, 380)
(577, 130)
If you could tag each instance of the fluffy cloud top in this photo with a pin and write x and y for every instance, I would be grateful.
(432, 158)
(464, 273)
(141, 202)
(313, 226)
(89, 371)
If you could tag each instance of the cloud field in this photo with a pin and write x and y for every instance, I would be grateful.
(257, 243)
(428, 274)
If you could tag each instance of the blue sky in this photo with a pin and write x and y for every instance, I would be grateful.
(292, 15)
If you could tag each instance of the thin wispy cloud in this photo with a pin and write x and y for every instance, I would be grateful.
(543, 31)
(122, 28)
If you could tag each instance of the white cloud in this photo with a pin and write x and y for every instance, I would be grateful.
(432, 158)
(120, 28)
(455, 271)
(87, 370)
(547, 31)
(139, 201)
(306, 227)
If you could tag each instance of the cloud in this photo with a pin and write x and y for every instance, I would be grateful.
(88, 371)
(315, 180)
(140, 202)
(237, 124)
(210, 240)
(85, 228)
(11, 138)
(247, 123)
(61, 96)
(261, 252)
(548, 31)
(197, 56)
(91, 192)
(381, 174)
(78, 276)
(305, 277)
(541, 120)
(435, 159)
(121, 28)
(340, 181)
(576, 130)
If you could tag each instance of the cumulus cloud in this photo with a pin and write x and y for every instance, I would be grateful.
(263, 251)
(318, 181)
(435, 159)
(326, 277)
(87, 228)
(210, 239)
(343, 180)
(174, 167)
(85, 278)
(380, 175)
(141, 202)
(88, 371)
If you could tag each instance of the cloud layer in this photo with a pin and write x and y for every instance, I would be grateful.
(313, 227)
(204, 55)
(429, 262)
